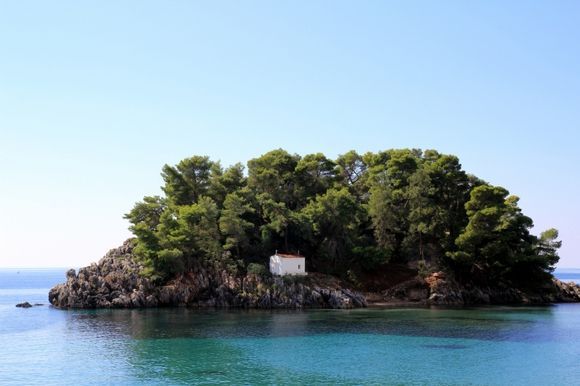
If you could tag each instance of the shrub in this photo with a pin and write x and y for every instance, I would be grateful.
(353, 278)
(423, 269)
(294, 279)
(257, 269)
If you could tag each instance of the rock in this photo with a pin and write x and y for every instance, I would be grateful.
(565, 292)
(151, 301)
(440, 288)
(414, 290)
(114, 282)
(24, 305)
(446, 291)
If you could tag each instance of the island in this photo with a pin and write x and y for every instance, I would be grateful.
(401, 226)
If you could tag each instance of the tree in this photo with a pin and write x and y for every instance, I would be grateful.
(357, 212)
(533, 270)
(199, 230)
(351, 167)
(497, 235)
(272, 179)
(277, 216)
(222, 182)
(386, 224)
(335, 218)
(451, 190)
(232, 222)
(315, 174)
(547, 249)
(273, 174)
(161, 250)
(425, 217)
(147, 212)
(388, 204)
(186, 182)
(401, 166)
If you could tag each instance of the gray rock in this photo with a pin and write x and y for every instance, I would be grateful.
(114, 282)
(446, 291)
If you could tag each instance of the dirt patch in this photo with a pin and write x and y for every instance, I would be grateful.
(385, 277)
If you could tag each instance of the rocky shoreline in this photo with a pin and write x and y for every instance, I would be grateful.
(114, 282)
(438, 289)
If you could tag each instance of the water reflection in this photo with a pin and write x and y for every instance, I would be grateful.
(513, 324)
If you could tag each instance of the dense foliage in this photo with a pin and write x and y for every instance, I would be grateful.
(352, 214)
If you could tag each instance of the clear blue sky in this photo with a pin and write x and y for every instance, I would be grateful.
(96, 96)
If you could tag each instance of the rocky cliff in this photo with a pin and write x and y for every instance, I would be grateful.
(114, 282)
(440, 289)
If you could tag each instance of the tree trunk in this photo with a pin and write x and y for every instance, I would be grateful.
(421, 246)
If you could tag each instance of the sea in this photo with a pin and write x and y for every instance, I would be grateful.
(375, 346)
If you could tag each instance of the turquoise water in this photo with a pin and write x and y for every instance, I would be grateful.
(484, 346)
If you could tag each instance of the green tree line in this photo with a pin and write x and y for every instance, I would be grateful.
(357, 213)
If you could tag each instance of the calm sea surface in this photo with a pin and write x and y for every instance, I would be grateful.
(483, 346)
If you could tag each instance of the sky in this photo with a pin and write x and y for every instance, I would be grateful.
(96, 96)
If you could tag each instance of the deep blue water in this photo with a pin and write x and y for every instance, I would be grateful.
(480, 346)
(568, 275)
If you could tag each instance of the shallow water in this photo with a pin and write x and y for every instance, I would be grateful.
(483, 346)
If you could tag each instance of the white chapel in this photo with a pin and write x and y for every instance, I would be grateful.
(287, 264)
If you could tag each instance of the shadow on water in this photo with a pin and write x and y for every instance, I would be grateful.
(514, 324)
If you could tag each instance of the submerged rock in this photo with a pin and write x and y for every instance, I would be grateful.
(115, 282)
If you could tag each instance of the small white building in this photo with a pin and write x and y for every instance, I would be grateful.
(286, 264)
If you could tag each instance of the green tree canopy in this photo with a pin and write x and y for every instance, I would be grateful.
(357, 212)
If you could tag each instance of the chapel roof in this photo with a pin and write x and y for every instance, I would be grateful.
(289, 255)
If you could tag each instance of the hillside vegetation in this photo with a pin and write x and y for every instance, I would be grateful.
(351, 216)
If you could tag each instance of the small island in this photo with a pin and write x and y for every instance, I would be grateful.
(401, 226)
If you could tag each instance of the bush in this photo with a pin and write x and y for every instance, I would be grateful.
(294, 279)
(257, 269)
(423, 269)
(353, 278)
(370, 257)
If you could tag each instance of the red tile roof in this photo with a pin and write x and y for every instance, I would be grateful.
(289, 256)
